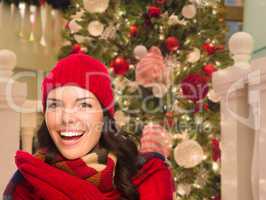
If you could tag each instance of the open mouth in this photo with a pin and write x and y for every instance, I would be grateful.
(71, 135)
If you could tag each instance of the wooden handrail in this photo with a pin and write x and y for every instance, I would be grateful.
(234, 13)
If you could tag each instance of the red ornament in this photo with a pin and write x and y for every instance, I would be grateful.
(209, 69)
(147, 20)
(154, 11)
(133, 30)
(209, 48)
(170, 114)
(216, 151)
(194, 87)
(76, 48)
(170, 118)
(120, 65)
(219, 47)
(206, 107)
(67, 26)
(160, 1)
(207, 78)
(199, 107)
(216, 197)
(172, 43)
(42, 2)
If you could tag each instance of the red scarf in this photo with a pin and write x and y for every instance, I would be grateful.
(80, 179)
(97, 167)
(68, 179)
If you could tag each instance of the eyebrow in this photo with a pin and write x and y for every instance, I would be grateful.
(78, 99)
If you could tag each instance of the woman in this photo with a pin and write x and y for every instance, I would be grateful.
(81, 155)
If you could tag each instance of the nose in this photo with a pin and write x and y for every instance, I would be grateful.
(68, 117)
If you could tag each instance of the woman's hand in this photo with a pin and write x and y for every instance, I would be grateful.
(156, 139)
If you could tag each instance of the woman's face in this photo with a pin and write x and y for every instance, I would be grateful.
(74, 118)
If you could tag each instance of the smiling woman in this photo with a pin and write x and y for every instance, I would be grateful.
(81, 155)
(73, 116)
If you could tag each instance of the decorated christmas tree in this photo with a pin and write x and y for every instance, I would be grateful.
(161, 55)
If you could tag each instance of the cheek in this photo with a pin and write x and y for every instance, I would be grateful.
(93, 122)
(52, 120)
(91, 117)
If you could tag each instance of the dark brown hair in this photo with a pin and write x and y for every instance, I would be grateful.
(113, 140)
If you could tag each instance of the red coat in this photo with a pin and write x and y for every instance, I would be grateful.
(154, 182)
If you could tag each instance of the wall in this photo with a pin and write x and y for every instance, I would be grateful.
(254, 23)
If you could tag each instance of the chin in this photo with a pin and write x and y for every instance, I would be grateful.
(72, 154)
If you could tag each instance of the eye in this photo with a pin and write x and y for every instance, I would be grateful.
(52, 105)
(85, 105)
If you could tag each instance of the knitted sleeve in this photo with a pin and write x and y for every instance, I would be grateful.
(155, 180)
(22, 193)
(159, 186)
(18, 189)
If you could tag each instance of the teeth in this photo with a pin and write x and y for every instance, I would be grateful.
(70, 134)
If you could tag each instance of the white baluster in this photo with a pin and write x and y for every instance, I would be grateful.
(29, 124)
(236, 122)
(8, 61)
(241, 46)
(40, 76)
(9, 118)
(257, 95)
(254, 101)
